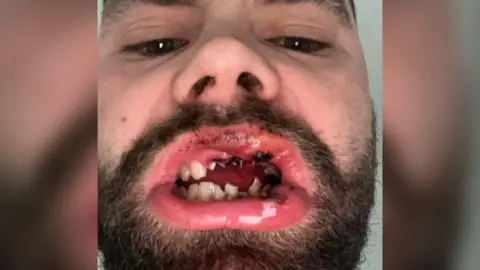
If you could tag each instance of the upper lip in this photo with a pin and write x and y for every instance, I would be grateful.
(240, 140)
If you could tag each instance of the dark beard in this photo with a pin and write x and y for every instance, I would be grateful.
(332, 237)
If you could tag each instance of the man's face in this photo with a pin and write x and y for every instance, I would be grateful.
(233, 135)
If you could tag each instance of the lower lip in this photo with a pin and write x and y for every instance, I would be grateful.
(286, 207)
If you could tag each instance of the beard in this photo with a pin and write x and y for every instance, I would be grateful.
(331, 236)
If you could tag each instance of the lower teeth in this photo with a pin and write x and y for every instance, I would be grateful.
(208, 191)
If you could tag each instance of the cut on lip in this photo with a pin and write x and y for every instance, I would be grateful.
(243, 141)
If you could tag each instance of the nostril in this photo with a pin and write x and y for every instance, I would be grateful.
(249, 82)
(199, 87)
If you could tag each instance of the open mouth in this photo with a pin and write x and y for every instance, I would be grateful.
(228, 179)
(237, 177)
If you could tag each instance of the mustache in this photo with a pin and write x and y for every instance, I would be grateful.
(251, 110)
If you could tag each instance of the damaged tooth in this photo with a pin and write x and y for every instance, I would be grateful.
(184, 192)
(231, 191)
(218, 193)
(184, 173)
(212, 165)
(274, 175)
(255, 187)
(192, 192)
(197, 171)
(266, 188)
(272, 171)
(205, 191)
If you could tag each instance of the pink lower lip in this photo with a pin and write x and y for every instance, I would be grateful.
(287, 208)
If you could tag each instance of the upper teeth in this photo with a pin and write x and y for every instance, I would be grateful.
(212, 165)
(272, 170)
(184, 172)
(197, 170)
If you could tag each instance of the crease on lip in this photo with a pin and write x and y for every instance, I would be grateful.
(251, 140)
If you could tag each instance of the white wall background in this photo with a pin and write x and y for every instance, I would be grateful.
(469, 36)
(369, 16)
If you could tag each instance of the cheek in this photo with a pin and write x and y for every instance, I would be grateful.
(335, 104)
(128, 104)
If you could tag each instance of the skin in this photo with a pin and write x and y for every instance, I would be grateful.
(423, 137)
(50, 77)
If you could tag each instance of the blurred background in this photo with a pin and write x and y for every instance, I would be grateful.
(430, 144)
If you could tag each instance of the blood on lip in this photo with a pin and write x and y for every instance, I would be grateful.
(249, 141)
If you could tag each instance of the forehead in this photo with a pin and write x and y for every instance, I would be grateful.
(344, 10)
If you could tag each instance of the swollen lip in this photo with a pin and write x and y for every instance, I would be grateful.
(286, 208)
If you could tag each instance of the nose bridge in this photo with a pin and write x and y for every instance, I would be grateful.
(222, 62)
(224, 56)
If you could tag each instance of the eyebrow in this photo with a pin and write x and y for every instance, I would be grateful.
(114, 8)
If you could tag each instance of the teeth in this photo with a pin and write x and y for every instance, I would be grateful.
(255, 187)
(263, 194)
(197, 170)
(266, 188)
(192, 192)
(231, 191)
(272, 171)
(212, 165)
(184, 192)
(205, 191)
(184, 173)
(218, 193)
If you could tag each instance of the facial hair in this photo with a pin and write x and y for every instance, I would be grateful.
(332, 236)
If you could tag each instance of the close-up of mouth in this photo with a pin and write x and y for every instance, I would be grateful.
(236, 177)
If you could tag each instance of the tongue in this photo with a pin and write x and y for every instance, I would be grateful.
(242, 177)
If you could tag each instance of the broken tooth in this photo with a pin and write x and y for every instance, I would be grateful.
(266, 188)
(197, 171)
(255, 187)
(231, 191)
(242, 194)
(192, 192)
(183, 192)
(271, 170)
(212, 165)
(184, 172)
(218, 193)
(205, 191)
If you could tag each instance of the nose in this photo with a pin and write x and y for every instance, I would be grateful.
(222, 71)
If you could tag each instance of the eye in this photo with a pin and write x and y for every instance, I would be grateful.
(300, 44)
(156, 47)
